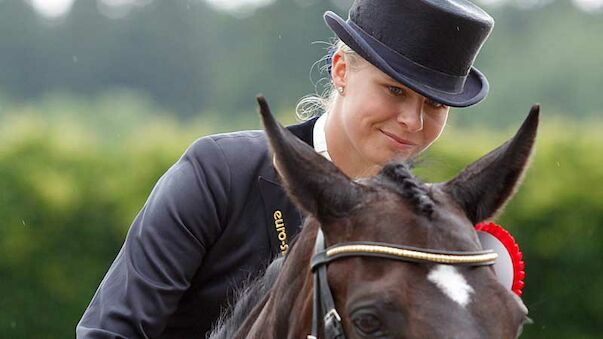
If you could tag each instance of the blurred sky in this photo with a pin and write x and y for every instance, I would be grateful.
(58, 8)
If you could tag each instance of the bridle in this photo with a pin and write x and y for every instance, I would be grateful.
(323, 303)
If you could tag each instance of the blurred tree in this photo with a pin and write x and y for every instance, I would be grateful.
(191, 59)
(548, 55)
(70, 185)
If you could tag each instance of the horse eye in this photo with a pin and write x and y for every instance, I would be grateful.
(367, 324)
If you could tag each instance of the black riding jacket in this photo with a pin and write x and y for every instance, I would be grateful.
(215, 218)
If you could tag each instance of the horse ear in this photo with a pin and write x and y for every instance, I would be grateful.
(313, 182)
(483, 188)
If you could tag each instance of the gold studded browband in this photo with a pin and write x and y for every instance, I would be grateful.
(404, 253)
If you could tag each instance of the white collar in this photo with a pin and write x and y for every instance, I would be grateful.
(319, 137)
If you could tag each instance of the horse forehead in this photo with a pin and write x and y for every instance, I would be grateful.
(396, 218)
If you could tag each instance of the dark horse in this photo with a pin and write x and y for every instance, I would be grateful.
(404, 260)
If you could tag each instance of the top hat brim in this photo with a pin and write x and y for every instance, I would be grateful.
(474, 90)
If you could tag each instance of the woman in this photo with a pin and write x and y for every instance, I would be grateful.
(219, 215)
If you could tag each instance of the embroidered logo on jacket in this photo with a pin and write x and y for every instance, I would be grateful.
(279, 225)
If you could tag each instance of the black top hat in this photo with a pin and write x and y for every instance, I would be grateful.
(428, 45)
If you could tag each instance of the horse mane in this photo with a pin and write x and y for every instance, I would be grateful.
(399, 178)
(247, 296)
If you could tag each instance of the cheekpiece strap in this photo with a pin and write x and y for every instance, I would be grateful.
(323, 303)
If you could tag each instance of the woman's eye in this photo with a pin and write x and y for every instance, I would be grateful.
(395, 90)
(433, 103)
(367, 324)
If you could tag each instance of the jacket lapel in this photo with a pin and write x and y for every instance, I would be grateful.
(283, 219)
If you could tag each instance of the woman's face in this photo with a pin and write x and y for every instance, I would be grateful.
(377, 119)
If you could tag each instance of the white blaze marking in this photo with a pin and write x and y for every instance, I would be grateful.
(452, 283)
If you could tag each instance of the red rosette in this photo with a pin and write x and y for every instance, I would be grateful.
(509, 266)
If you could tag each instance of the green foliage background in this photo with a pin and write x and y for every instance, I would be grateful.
(69, 187)
(94, 108)
(191, 60)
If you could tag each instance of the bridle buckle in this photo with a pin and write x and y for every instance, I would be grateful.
(332, 314)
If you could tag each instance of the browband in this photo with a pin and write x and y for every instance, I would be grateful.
(404, 253)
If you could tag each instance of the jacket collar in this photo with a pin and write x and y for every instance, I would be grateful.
(304, 131)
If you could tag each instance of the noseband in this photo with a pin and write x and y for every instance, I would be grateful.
(323, 303)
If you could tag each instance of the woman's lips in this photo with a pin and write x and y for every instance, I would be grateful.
(403, 143)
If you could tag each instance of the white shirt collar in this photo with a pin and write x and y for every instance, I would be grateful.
(319, 137)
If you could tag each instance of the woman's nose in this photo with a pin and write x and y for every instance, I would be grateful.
(411, 114)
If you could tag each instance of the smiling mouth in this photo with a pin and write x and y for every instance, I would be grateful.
(398, 140)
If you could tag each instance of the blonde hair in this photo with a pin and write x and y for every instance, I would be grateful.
(316, 104)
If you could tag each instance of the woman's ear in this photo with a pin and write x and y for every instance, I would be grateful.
(339, 68)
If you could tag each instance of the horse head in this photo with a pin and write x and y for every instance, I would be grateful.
(381, 298)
